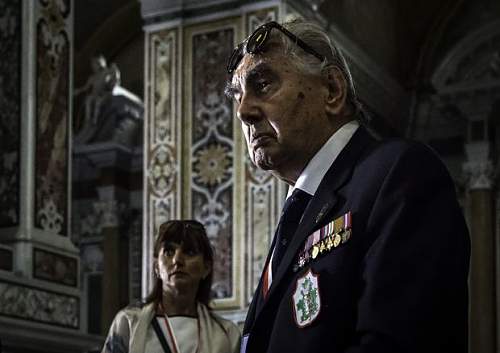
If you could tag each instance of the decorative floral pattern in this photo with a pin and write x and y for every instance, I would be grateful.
(212, 165)
(163, 138)
(164, 134)
(162, 171)
(51, 181)
(212, 150)
(10, 100)
(48, 217)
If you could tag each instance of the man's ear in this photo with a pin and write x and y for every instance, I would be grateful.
(337, 90)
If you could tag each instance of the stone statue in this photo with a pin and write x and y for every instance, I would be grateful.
(111, 112)
(98, 85)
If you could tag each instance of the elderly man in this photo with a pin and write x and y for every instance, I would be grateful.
(371, 252)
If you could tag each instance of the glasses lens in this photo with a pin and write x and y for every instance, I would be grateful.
(257, 39)
(235, 58)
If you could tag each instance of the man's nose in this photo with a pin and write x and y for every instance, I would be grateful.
(248, 110)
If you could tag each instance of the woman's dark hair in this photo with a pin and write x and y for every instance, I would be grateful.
(192, 235)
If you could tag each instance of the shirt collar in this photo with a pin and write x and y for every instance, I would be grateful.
(315, 170)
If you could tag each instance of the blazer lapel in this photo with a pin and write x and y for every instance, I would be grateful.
(322, 202)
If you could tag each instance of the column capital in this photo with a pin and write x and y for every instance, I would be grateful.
(478, 169)
(108, 209)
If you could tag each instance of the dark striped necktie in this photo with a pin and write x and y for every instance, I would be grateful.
(290, 218)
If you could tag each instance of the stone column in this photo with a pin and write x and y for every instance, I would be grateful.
(40, 288)
(114, 289)
(479, 170)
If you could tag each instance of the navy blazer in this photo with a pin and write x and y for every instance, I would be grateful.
(399, 284)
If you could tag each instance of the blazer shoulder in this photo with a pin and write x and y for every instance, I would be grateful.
(397, 148)
(402, 156)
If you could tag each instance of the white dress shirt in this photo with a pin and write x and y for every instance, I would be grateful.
(315, 170)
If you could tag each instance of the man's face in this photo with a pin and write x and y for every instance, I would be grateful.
(282, 112)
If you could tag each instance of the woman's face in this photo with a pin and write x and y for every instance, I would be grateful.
(181, 268)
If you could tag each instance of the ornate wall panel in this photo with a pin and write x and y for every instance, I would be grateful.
(52, 109)
(37, 305)
(10, 109)
(262, 192)
(211, 150)
(162, 140)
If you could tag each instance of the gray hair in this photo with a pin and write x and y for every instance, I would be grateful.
(319, 40)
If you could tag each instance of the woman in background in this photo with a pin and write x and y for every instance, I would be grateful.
(176, 316)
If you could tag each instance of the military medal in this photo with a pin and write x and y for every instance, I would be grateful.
(323, 240)
(315, 251)
(322, 247)
(337, 240)
(329, 243)
(346, 235)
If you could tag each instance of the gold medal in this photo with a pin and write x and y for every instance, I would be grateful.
(315, 251)
(329, 243)
(336, 240)
(322, 247)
